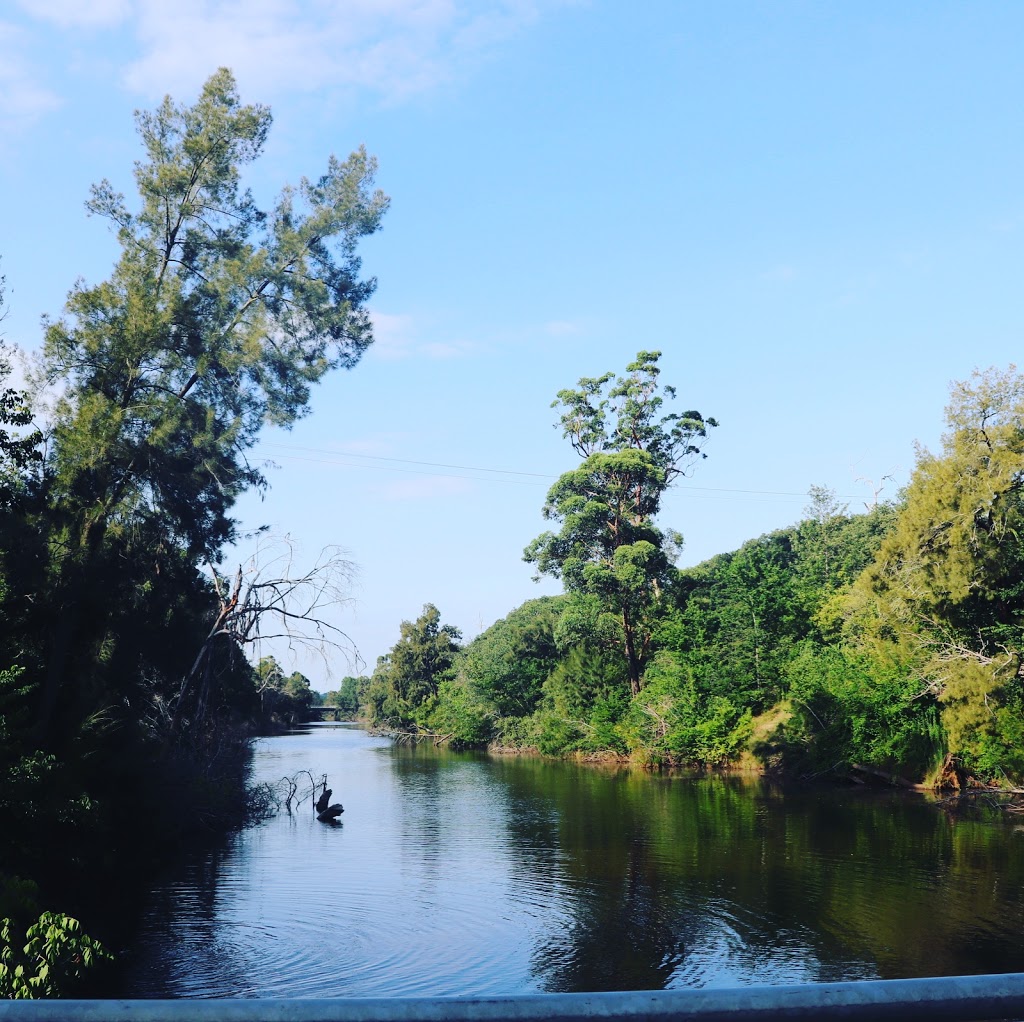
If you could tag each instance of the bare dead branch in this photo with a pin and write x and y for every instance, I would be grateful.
(270, 600)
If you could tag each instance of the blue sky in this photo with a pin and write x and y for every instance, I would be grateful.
(814, 210)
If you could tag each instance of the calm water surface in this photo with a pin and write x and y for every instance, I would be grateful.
(460, 874)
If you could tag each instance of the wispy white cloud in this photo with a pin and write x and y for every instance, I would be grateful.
(393, 335)
(389, 49)
(394, 48)
(398, 337)
(913, 259)
(23, 98)
(781, 274)
(425, 488)
(443, 350)
(78, 13)
(563, 328)
(376, 444)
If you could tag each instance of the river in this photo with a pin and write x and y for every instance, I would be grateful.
(462, 874)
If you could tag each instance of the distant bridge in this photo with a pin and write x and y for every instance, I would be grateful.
(323, 711)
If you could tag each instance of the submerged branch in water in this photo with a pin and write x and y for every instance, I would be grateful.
(267, 799)
(420, 735)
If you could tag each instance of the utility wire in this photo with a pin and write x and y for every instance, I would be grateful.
(367, 461)
(408, 461)
(335, 463)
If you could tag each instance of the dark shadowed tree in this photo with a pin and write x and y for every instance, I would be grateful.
(217, 319)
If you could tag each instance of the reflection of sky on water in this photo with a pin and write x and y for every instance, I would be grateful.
(458, 874)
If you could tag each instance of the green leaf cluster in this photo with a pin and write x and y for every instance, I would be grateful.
(673, 721)
(946, 589)
(284, 699)
(608, 546)
(510, 661)
(405, 685)
(55, 955)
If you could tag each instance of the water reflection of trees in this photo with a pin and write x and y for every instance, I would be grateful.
(181, 950)
(622, 908)
(673, 882)
(444, 810)
(600, 879)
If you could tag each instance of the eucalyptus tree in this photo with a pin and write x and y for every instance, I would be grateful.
(608, 546)
(218, 319)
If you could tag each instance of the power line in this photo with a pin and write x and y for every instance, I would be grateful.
(336, 463)
(368, 460)
(408, 461)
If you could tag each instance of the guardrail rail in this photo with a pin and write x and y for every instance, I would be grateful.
(947, 997)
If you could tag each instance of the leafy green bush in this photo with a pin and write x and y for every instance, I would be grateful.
(460, 712)
(848, 708)
(672, 721)
(986, 734)
(585, 677)
(515, 732)
(602, 732)
(509, 661)
(54, 957)
(556, 735)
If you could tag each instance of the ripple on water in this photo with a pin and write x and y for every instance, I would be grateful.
(455, 875)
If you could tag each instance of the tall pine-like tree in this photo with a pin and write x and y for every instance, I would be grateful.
(217, 319)
(608, 547)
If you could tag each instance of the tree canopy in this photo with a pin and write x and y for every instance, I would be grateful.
(946, 589)
(218, 319)
(608, 546)
(406, 681)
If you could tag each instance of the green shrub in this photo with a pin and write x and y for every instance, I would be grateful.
(671, 720)
(848, 708)
(461, 712)
(556, 735)
(54, 957)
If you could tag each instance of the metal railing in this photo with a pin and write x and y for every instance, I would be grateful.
(947, 997)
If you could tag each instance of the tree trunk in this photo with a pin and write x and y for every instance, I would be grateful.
(632, 659)
(53, 678)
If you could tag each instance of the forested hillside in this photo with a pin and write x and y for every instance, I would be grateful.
(889, 640)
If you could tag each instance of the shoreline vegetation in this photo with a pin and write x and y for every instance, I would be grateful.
(882, 644)
(127, 695)
(957, 794)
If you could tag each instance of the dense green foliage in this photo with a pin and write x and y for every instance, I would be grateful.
(120, 687)
(55, 955)
(609, 549)
(889, 642)
(348, 697)
(405, 686)
(945, 595)
(284, 699)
